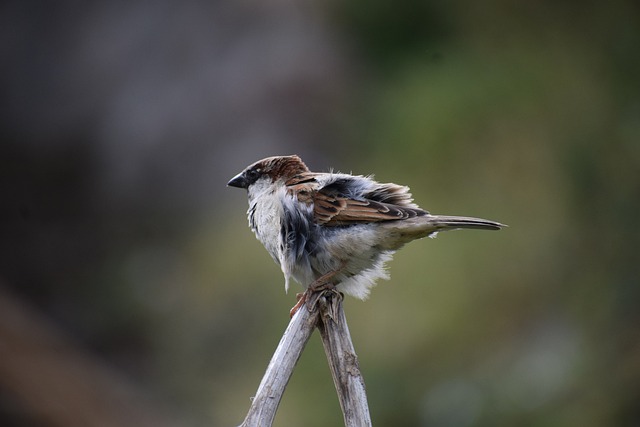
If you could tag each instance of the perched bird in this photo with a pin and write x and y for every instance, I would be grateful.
(334, 230)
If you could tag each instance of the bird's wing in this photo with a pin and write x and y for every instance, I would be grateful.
(352, 199)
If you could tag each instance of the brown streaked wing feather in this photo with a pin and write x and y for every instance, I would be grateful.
(325, 208)
(302, 178)
(303, 186)
(332, 210)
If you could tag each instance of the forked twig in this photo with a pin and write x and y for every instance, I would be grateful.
(330, 319)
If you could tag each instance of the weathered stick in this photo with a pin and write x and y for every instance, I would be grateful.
(329, 318)
(343, 361)
(265, 403)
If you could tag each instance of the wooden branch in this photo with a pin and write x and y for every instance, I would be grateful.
(343, 361)
(265, 403)
(328, 316)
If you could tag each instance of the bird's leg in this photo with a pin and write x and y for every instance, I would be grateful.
(314, 290)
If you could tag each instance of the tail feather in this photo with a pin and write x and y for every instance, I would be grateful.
(403, 231)
(445, 222)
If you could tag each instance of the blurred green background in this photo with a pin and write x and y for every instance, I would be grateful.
(122, 248)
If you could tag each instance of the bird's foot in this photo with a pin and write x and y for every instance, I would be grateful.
(315, 292)
(311, 295)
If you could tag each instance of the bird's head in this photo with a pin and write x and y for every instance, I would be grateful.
(268, 171)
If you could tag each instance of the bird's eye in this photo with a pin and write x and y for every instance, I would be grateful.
(253, 175)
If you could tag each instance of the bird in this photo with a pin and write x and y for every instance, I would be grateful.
(335, 231)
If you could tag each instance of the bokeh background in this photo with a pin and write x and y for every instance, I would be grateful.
(133, 293)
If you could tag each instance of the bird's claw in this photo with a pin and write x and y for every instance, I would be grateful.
(315, 290)
(312, 295)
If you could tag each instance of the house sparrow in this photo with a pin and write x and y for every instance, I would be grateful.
(334, 230)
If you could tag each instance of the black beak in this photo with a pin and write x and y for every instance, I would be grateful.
(239, 181)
